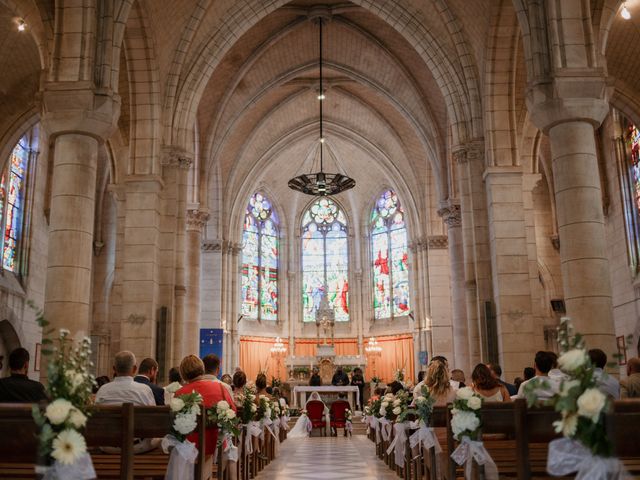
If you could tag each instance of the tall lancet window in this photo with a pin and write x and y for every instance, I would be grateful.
(325, 258)
(12, 202)
(260, 260)
(390, 258)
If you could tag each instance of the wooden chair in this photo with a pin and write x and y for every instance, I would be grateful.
(315, 412)
(338, 415)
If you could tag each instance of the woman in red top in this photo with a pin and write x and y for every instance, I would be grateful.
(192, 370)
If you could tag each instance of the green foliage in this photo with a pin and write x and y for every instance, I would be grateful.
(248, 405)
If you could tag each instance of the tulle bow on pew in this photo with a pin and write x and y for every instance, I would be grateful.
(566, 456)
(385, 428)
(230, 451)
(182, 459)
(472, 450)
(284, 423)
(398, 444)
(253, 430)
(426, 437)
(81, 469)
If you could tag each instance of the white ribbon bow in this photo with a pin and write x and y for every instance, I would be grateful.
(567, 456)
(375, 424)
(182, 459)
(471, 450)
(284, 423)
(399, 443)
(253, 430)
(385, 428)
(348, 426)
(425, 435)
(81, 469)
(230, 451)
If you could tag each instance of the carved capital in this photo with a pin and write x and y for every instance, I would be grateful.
(450, 213)
(214, 245)
(196, 220)
(437, 242)
(176, 157)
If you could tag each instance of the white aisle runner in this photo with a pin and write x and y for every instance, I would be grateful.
(327, 458)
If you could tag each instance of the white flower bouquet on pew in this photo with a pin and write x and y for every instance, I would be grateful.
(228, 423)
(397, 410)
(585, 448)
(185, 410)
(466, 424)
(62, 448)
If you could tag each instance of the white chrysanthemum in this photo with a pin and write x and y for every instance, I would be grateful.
(420, 400)
(567, 425)
(384, 404)
(464, 393)
(389, 396)
(173, 387)
(267, 413)
(397, 411)
(195, 409)
(222, 406)
(77, 418)
(176, 404)
(68, 446)
(474, 403)
(591, 403)
(464, 421)
(185, 424)
(572, 360)
(58, 411)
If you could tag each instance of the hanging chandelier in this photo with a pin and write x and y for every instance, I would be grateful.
(321, 183)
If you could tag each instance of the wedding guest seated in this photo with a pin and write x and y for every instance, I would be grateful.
(606, 383)
(148, 375)
(192, 371)
(239, 381)
(100, 381)
(545, 388)
(417, 390)
(212, 370)
(340, 379)
(630, 387)
(17, 387)
(394, 387)
(457, 376)
(517, 382)
(496, 371)
(437, 383)
(487, 386)
(124, 390)
(174, 377)
(226, 378)
(315, 380)
(459, 373)
(261, 386)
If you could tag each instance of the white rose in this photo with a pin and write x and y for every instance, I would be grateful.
(77, 418)
(267, 413)
(383, 412)
(464, 421)
(567, 426)
(176, 404)
(173, 387)
(567, 385)
(591, 403)
(397, 411)
(464, 393)
(185, 424)
(58, 411)
(474, 403)
(230, 414)
(222, 405)
(254, 407)
(397, 402)
(389, 396)
(384, 404)
(572, 360)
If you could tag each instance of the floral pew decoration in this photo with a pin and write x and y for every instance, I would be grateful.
(397, 410)
(62, 448)
(386, 416)
(248, 409)
(466, 428)
(185, 410)
(348, 425)
(424, 436)
(221, 415)
(585, 448)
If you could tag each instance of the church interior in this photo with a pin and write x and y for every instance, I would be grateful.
(483, 166)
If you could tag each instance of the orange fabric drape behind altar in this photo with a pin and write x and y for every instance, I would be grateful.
(255, 355)
(397, 352)
(343, 346)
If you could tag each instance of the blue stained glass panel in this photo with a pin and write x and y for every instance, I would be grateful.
(14, 192)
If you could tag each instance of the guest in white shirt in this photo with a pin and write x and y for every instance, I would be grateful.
(607, 384)
(543, 363)
(212, 369)
(124, 390)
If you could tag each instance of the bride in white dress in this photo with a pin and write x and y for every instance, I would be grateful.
(303, 425)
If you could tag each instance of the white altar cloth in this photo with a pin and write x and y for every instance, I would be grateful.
(300, 394)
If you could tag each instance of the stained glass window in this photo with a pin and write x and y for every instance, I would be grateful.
(260, 260)
(12, 195)
(390, 258)
(325, 256)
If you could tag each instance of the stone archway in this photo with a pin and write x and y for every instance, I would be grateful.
(9, 341)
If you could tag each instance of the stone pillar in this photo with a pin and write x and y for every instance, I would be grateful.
(450, 213)
(76, 126)
(570, 124)
(196, 220)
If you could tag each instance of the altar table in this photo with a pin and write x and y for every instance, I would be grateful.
(303, 390)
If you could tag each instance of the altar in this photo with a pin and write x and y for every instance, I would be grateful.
(301, 393)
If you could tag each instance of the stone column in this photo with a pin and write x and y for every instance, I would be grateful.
(570, 124)
(76, 127)
(450, 213)
(196, 220)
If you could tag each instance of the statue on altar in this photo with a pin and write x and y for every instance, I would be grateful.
(325, 319)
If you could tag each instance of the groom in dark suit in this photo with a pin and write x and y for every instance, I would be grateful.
(148, 374)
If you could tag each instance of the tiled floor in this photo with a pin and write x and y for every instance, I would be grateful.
(327, 458)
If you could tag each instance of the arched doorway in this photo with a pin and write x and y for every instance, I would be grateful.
(9, 341)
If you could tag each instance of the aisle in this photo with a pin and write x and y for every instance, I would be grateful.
(327, 458)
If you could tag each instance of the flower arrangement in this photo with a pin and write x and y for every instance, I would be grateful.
(248, 406)
(276, 382)
(579, 401)
(465, 421)
(376, 380)
(222, 415)
(275, 410)
(374, 407)
(185, 409)
(399, 375)
(348, 415)
(264, 409)
(386, 406)
(70, 386)
(423, 406)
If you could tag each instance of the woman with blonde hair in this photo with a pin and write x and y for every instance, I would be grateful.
(436, 381)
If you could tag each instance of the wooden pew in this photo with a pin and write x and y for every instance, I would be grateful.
(623, 425)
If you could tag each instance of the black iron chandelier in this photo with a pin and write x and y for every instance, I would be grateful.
(321, 183)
